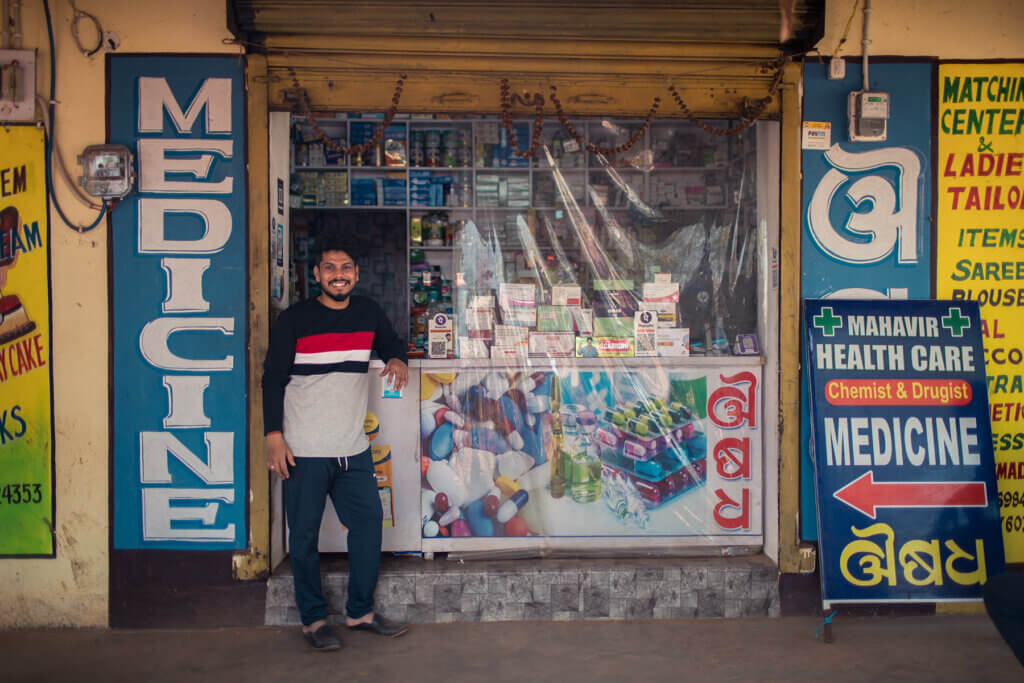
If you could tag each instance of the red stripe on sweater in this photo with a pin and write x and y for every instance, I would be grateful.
(336, 341)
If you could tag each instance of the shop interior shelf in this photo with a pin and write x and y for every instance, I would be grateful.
(532, 178)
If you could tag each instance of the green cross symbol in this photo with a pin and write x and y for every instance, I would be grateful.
(956, 322)
(827, 321)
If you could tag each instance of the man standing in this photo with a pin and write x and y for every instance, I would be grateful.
(315, 391)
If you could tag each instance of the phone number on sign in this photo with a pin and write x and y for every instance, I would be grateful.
(21, 494)
(1011, 499)
(1008, 500)
(1013, 523)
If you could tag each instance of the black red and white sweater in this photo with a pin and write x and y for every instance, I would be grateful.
(315, 382)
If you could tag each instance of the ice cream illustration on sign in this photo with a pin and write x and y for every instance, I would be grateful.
(14, 321)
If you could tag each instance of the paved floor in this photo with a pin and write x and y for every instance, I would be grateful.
(934, 648)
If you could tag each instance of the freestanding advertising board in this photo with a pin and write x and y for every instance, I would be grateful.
(905, 476)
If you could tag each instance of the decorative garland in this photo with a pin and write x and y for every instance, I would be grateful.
(389, 115)
(590, 147)
(750, 115)
(506, 119)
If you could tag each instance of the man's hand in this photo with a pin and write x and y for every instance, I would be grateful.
(397, 372)
(279, 456)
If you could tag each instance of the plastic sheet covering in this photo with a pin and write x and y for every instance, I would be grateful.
(603, 387)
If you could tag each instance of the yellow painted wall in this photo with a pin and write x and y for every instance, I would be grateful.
(947, 29)
(72, 590)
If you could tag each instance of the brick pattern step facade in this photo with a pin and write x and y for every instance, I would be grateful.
(443, 590)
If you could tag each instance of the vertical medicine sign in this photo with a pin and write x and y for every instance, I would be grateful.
(907, 506)
(178, 293)
(980, 247)
(866, 205)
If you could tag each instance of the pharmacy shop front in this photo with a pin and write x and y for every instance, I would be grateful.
(585, 262)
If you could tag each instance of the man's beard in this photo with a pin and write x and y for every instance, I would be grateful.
(339, 297)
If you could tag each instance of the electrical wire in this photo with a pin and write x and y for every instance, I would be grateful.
(15, 20)
(6, 20)
(58, 158)
(49, 138)
(865, 41)
(846, 31)
(79, 14)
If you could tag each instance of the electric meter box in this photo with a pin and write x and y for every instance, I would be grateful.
(869, 115)
(108, 171)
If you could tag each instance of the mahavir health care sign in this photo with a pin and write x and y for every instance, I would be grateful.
(905, 477)
(178, 293)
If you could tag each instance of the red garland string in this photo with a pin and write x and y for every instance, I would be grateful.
(594, 149)
(506, 119)
(752, 114)
(749, 117)
(357, 149)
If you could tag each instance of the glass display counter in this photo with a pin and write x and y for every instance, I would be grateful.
(586, 324)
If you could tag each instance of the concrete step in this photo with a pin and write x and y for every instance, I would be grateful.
(414, 590)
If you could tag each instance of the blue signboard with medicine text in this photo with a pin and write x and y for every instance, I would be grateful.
(178, 295)
(902, 445)
(866, 204)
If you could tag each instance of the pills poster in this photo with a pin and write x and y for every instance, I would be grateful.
(519, 457)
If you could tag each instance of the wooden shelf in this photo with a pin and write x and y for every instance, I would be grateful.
(535, 175)
(348, 207)
(688, 169)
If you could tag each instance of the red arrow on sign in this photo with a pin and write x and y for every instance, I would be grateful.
(864, 495)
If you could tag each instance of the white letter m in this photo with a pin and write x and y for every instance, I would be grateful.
(214, 96)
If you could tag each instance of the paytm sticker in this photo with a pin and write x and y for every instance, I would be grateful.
(816, 135)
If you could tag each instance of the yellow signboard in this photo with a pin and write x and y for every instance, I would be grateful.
(26, 416)
(980, 248)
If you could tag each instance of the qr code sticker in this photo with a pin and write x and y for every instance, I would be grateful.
(438, 349)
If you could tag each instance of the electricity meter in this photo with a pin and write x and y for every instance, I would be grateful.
(869, 114)
(108, 171)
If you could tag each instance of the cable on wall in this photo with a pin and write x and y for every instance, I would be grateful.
(79, 15)
(49, 138)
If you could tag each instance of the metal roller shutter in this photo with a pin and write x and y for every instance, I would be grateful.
(605, 57)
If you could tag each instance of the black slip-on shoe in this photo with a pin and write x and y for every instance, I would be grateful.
(381, 626)
(323, 639)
